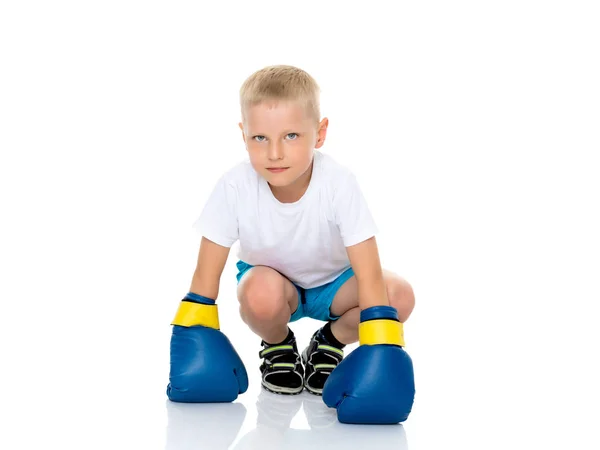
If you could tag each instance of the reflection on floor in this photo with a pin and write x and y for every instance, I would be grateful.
(216, 426)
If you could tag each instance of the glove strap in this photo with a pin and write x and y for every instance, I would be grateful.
(196, 310)
(380, 325)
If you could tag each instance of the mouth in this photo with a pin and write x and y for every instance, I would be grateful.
(277, 169)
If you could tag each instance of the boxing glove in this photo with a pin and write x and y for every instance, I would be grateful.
(374, 384)
(205, 368)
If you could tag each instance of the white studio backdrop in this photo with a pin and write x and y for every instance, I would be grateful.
(473, 128)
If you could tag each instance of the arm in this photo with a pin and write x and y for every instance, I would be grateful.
(204, 366)
(207, 276)
(364, 258)
(374, 384)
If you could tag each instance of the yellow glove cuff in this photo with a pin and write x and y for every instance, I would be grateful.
(192, 313)
(381, 331)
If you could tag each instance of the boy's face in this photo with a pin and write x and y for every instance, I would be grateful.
(280, 138)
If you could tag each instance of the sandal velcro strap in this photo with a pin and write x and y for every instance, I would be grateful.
(324, 367)
(331, 351)
(290, 366)
(276, 350)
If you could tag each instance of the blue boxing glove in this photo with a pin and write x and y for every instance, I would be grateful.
(375, 383)
(205, 368)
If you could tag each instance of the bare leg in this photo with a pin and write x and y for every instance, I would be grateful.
(345, 304)
(267, 301)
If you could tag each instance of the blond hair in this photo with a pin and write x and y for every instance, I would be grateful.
(281, 82)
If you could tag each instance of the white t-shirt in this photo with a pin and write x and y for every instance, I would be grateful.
(306, 240)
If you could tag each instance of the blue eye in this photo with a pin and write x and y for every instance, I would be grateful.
(259, 138)
(292, 134)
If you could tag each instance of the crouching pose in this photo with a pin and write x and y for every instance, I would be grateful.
(307, 248)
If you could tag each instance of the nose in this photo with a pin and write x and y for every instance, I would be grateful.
(275, 151)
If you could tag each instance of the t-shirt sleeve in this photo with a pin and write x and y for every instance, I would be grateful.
(218, 220)
(352, 214)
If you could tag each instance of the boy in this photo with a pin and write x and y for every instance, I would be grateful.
(307, 249)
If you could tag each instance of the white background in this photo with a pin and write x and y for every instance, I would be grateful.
(472, 126)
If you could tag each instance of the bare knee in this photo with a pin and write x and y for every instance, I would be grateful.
(401, 296)
(262, 296)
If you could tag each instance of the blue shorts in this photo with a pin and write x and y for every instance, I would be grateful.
(314, 302)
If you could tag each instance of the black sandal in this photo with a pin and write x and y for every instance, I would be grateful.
(319, 360)
(282, 371)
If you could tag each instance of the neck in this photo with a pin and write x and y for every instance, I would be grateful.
(293, 192)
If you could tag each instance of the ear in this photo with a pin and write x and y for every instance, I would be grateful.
(322, 132)
(241, 125)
